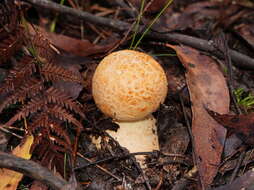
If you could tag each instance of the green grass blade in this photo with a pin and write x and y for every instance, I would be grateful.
(137, 22)
(151, 24)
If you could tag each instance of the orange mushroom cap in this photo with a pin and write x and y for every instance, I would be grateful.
(129, 85)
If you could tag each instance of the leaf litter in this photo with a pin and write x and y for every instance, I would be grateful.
(207, 90)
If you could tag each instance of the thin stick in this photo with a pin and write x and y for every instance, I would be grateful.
(240, 60)
(7, 131)
(99, 167)
(31, 169)
(152, 23)
(118, 25)
(117, 157)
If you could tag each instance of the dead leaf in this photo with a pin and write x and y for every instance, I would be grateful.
(243, 182)
(73, 45)
(207, 87)
(72, 64)
(195, 16)
(10, 179)
(246, 31)
(37, 185)
(241, 125)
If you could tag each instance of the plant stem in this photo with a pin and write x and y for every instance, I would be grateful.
(151, 24)
(53, 24)
(137, 23)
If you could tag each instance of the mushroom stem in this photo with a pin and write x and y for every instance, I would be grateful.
(137, 136)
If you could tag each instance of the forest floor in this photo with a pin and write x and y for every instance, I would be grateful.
(49, 51)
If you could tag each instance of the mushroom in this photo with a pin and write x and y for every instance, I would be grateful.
(129, 86)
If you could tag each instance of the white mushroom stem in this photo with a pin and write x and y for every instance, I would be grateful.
(137, 136)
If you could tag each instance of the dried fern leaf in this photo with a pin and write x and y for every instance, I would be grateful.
(39, 120)
(52, 126)
(9, 17)
(21, 72)
(29, 89)
(62, 114)
(43, 127)
(58, 129)
(43, 50)
(34, 105)
(52, 72)
(10, 44)
(59, 142)
(59, 97)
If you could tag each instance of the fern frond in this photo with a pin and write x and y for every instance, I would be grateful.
(43, 51)
(21, 72)
(39, 120)
(9, 17)
(42, 120)
(53, 72)
(29, 89)
(10, 44)
(59, 97)
(34, 105)
(61, 113)
(56, 127)
(59, 142)
(45, 126)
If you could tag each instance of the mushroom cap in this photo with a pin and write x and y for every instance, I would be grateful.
(129, 85)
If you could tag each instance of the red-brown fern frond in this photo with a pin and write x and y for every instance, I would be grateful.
(39, 119)
(10, 44)
(19, 74)
(27, 90)
(53, 72)
(34, 105)
(59, 143)
(43, 48)
(61, 113)
(43, 120)
(56, 127)
(59, 97)
(9, 17)
(52, 131)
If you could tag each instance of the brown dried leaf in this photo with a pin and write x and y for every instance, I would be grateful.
(246, 31)
(195, 16)
(73, 45)
(241, 125)
(208, 88)
(243, 182)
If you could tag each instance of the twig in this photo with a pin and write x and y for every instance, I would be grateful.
(188, 127)
(101, 168)
(7, 131)
(184, 181)
(118, 157)
(239, 59)
(129, 10)
(223, 47)
(237, 167)
(115, 24)
(222, 44)
(31, 169)
(158, 186)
